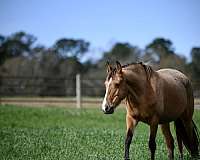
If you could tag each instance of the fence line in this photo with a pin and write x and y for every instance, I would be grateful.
(44, 86)
(75, 86)
(44, 100)
(78, 91)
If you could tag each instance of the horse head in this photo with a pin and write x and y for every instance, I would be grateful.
(115, 88)
(122, 81)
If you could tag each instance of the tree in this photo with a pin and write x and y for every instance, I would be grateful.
(161, 47)
(124, 52)
(195, 64)
(194, 70)
(161, 51)
(71, 47)
(18, 44)
(2, 39)
(25, 38)
(2, 54)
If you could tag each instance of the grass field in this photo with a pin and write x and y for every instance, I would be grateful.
(72, 134)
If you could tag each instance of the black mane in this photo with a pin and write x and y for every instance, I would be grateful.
(147, 69)
(129, 64)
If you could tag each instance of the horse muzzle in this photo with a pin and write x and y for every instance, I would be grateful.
(108, 109)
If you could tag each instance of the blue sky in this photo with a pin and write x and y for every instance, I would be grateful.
(104, 22)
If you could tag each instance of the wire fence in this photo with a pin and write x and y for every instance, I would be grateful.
(48, 86)
(51, 86)
(61, 87)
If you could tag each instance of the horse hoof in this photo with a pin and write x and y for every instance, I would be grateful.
(170, 157)
(181, 157)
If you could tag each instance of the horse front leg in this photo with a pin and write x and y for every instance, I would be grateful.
(152, 142)
(130, 125)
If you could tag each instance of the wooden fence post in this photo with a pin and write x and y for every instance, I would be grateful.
(78, 91)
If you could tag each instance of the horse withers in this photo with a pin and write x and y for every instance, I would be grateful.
(155, 98)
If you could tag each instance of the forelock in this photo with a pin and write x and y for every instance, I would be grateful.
(111, 74)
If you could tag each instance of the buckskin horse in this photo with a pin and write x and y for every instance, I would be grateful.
(155, 98)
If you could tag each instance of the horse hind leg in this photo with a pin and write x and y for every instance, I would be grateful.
(180, 143)
(169, 140)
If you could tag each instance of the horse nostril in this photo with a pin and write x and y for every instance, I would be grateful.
(106, 108)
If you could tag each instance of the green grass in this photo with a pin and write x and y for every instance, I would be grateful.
(64, 133)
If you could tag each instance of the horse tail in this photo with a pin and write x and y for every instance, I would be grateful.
(191, 145)
(190, 96)
(194, 144)
(196, 139)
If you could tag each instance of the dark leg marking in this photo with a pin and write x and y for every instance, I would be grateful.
(128, 140)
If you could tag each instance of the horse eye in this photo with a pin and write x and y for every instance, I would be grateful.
(117, 85)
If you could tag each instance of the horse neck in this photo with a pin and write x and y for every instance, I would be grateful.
(139, 89)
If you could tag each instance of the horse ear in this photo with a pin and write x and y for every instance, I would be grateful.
(141, 63)
(109, 67)
(118, 67)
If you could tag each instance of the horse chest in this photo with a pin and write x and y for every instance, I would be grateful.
(140, 114)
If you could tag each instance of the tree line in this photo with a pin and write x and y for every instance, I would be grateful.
(50, 71)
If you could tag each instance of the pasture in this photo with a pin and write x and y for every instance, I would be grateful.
(69, 133)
